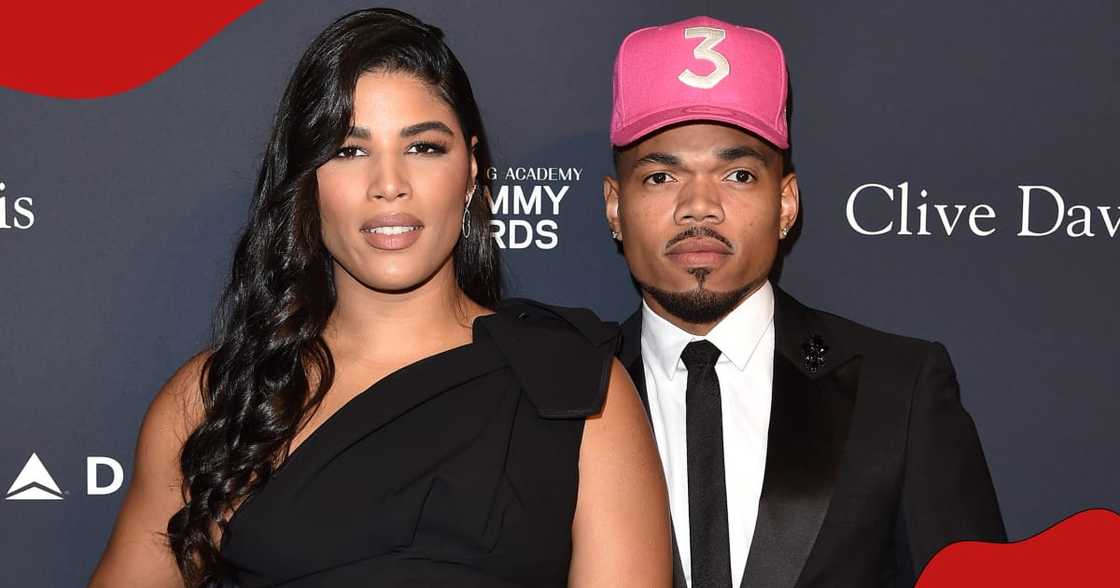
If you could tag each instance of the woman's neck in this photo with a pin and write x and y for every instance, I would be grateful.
(378, 326)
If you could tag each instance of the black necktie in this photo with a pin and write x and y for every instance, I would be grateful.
(707, 489)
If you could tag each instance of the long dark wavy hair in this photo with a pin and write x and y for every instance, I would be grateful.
(270, 366)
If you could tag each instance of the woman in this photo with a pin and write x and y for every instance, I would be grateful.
(364, 416)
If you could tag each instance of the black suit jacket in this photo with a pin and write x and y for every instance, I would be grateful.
(872, 464)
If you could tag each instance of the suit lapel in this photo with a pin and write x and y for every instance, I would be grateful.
(631, 354)
(815, 381)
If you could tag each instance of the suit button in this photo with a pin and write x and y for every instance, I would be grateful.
(523, 315)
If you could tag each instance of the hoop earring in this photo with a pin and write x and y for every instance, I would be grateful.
(466, 228)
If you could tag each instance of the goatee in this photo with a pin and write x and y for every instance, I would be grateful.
(699, 306)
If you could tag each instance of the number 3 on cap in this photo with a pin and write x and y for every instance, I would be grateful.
(706, 51)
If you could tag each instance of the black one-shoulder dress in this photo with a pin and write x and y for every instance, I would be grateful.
(461, 469)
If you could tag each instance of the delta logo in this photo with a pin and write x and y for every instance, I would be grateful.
(35, 482)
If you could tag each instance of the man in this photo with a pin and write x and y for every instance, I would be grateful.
(800, 448)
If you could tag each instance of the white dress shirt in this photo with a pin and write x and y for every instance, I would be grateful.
(746, 373)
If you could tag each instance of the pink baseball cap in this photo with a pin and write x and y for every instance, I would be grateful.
(699, 69)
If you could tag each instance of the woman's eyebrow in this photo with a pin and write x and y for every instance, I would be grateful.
(358, 133)
(409, 131)
(432, 125)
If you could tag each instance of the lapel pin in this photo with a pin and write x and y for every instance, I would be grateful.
(813, 351)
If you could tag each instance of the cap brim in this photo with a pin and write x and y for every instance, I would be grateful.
(659, 120)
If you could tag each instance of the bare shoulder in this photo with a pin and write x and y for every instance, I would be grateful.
(178, 406)
(175, 411)
(622, 410)
(619, 439)
(137, 553)
(620, 535)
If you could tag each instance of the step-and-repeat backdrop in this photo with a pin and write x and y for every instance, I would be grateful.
(957, 162)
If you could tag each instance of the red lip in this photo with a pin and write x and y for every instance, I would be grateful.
(396, 241)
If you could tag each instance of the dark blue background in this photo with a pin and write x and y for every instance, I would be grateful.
(138, 198)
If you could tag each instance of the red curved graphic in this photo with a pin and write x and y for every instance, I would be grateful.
(1082, 550)
(97, 49)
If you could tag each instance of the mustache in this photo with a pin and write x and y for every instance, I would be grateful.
(699, 231)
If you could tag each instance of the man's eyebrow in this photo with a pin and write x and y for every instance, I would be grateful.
(432, 125)
(739, 152)
(658, 158)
